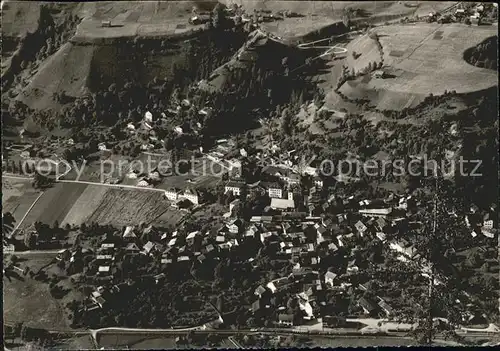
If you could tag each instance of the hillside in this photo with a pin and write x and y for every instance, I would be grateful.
(419, 60)
(68, 71)
(259, 51)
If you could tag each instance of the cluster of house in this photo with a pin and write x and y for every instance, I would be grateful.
(482, 222)
(473, 13)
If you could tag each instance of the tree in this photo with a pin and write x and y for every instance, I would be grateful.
(219, 18)
(24, 333)
(40, 181)
(30, 239)
(286, 121)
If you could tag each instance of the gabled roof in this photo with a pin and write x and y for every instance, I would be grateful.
(149, 246)
(366, 304)
(129, 232)
(132, 247)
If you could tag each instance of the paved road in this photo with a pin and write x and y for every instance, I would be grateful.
(120, 186)
(31, 252)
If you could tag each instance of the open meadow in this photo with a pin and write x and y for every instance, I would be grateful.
(17, 196)
(54, 204)
(422, 59)
(28, 300)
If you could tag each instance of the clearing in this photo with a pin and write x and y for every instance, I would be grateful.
(29, 301)
(418, 64)
(66, 70)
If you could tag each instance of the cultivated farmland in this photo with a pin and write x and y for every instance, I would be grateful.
(55, 203)
(128, 207)
(85, 205)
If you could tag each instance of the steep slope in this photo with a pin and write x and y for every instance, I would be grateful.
(65, 71)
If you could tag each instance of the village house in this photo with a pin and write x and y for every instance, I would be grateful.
(132, 248)
(129, 232)
(234, 186)
(148, 248)
(329, 278)
(367, 306)
(159, 278)
(386, 308)
(376, 212)
(259, 291)
(285, 320)
(191, 237)
(274, 190)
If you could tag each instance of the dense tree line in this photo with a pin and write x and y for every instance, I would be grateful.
(484, 54)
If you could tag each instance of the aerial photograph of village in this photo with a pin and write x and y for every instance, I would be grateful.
(249, 174)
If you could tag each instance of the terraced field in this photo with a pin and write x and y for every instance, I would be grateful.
(128, 207)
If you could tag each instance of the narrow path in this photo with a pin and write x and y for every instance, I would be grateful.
(26, 214)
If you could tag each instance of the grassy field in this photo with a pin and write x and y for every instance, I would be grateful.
(420, 64)
(131, 18)
(17, 196)
(19, 17)
(29, 301)
(85, 205)
(67, 70)
(77, 343)
(128, 207)
(55, 203)
(136, 341)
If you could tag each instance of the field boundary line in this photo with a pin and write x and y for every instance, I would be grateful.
(10, 175)
(27, 212)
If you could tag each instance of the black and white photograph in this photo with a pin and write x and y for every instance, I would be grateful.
(236, 174)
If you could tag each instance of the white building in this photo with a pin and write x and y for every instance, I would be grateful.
(191, 195)
(274, 191)
(172, 194)
(282, 204)
(233, 186)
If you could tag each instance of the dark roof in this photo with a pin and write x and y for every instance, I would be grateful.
(235, 183)
(260, 290)
(385, 306)
(368, 305)
(286, 317)
(268, 185)
(256, 306)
